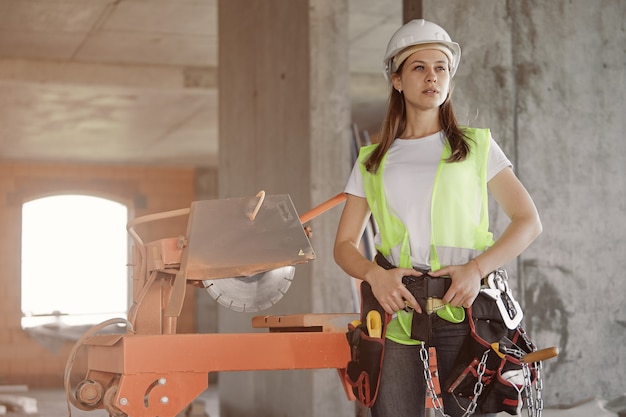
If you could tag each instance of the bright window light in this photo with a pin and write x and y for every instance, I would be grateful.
(74, 260)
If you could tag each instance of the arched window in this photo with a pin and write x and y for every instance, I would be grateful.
(74, 260)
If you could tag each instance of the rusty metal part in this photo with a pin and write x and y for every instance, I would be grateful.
(109, 402)
(89, 393)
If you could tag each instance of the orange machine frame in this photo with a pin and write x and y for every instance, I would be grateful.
(152, 371)
(159, 375)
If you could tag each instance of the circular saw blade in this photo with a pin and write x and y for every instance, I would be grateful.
(255, 293)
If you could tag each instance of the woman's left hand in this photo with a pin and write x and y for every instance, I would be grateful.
(465, 284)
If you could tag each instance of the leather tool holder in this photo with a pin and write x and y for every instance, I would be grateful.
(499, 393)
(424, 288)
(363, 370)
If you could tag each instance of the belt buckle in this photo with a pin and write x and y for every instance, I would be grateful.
(433, 304)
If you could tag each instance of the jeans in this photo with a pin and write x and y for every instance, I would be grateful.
(402, 390)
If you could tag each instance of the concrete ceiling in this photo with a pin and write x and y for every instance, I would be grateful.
(134, 81)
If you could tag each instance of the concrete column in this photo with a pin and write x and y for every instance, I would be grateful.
(548, 79)
(284, 128)
(412, 9)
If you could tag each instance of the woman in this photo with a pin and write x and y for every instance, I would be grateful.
(426, 184)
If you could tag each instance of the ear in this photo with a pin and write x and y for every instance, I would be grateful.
(396, 81)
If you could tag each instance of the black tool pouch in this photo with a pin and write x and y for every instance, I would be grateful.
(422, 288)
(487, 327)
(363, 370)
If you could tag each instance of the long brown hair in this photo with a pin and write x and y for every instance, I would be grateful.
(395, 122)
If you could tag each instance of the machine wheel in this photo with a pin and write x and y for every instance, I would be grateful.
(109, 399)
(89, 393)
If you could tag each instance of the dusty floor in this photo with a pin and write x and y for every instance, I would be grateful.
(52, 403)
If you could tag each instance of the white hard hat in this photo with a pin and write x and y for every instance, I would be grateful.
(420, 32)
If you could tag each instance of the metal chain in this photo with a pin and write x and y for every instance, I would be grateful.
(430, 386)
(530, 400)
(428, 376)
(534, 402)
(524, 336)
(478, 387)
(539, 387)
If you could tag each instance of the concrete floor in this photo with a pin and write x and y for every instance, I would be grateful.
(52, 403)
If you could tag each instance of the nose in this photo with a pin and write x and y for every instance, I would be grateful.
(431, 75)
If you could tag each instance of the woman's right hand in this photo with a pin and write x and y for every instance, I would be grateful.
(389, 290)
(386, 285)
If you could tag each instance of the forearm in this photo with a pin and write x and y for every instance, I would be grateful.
(524, 226)
(518, 235)
(351, 260)
(386, 285)
(352, 224)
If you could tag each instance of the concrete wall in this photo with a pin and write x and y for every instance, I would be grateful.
(548, 78)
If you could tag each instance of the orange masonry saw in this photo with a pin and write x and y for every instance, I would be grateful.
(243, 251)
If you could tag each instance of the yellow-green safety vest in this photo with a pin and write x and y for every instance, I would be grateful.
(459, 211)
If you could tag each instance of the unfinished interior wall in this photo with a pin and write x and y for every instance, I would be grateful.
(284, 118)
(548, 79)
(144, 190)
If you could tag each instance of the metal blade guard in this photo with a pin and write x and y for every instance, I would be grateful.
(256, 253)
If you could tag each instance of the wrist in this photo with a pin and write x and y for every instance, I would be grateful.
(477, 265)
(372, 271)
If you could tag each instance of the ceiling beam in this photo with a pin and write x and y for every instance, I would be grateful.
(115, 75)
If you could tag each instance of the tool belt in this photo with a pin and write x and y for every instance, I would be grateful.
(366, 350)
(423, 287)
(428, 291)
(491, 357)
(489, 368)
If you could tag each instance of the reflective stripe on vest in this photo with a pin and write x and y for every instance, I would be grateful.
(459, 206)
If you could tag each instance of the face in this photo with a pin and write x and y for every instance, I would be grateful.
(424, 79)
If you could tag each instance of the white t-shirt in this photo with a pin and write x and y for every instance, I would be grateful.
(408, 181)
